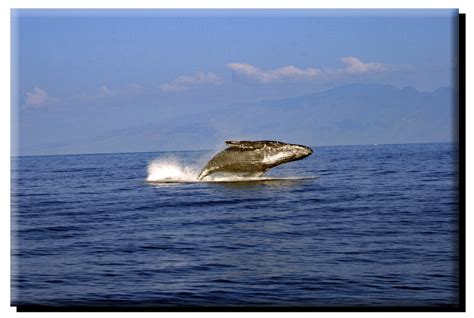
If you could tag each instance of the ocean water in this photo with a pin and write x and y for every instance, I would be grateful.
(348, 226)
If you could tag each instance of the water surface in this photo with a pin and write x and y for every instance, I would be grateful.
(366, 225)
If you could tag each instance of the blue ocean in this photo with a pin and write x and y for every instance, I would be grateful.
(372, 225)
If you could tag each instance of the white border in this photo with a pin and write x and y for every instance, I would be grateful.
(5, 7)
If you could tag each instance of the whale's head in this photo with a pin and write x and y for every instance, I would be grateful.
(300, 151)
(277, 153)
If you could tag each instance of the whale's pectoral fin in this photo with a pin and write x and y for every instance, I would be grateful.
(204, 173)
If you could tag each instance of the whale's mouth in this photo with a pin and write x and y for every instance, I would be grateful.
(303, 151)
(288, 154)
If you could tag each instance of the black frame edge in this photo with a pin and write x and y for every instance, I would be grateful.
(462, 160)
(461, 307)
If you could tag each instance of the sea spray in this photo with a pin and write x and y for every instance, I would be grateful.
(170, 169)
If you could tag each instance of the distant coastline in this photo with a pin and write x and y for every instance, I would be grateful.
(209, 150)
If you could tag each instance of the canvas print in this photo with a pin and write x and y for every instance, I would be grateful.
(233, 159)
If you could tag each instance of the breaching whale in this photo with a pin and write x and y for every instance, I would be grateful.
(253, 158)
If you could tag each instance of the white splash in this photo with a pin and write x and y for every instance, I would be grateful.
(170, 170)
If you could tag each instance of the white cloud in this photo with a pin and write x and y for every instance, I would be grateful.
(289, 72)
(106, 92)
(38, 98)
(356, 66)
(353, 66)
(186, 81)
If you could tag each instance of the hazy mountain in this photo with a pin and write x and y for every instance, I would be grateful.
(350, 114)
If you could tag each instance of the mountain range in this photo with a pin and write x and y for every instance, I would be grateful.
(344, 115)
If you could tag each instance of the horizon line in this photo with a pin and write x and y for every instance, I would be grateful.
(196, 150)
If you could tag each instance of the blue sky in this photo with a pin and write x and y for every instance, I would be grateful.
(80, 74)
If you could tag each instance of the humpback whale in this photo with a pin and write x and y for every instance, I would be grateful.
(253, 158)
